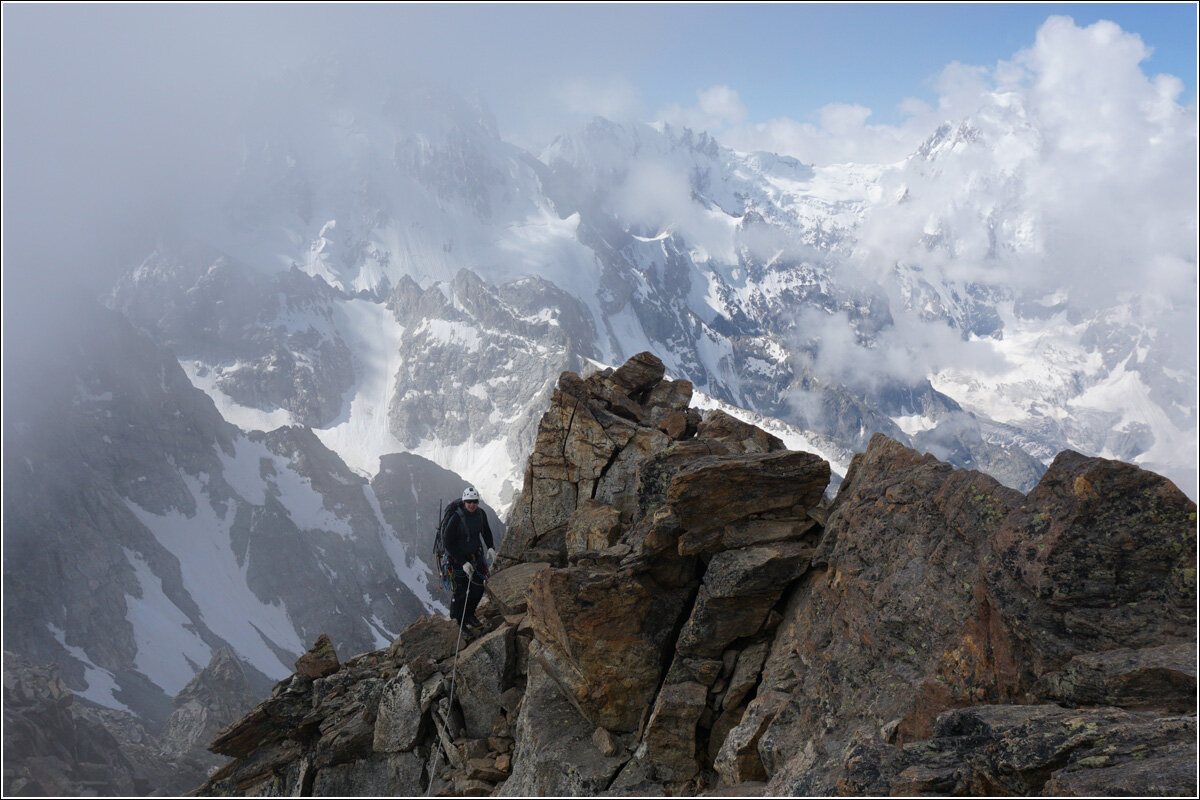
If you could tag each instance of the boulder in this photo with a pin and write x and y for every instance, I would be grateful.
(715, 491)
(1101, 555)
(593, 526)
(670, 738)
(508, 587)
(485, 670)
(344, 717)
(738, 759)
(745, 674)
(741, 437)
(667, 409)
(604, 742)
(401, 718)
(640, 373)
(604, 636)
(739, 588)
(654, 473)
(677, 425)
(423, 644)
(319, 661)
(614, 398)
(669, 396)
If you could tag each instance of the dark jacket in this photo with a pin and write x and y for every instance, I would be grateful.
(466, 534)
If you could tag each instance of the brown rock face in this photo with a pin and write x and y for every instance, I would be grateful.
(640, 373)
(1148, 678)
(603, 640)
(865, 638)
(677, 610)
(1101, 555)
(1028, 750)
(935, 593)
(319, 661)
(593, 526)
(715, 491)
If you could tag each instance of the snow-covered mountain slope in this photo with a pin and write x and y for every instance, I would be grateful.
(143, 532)
(406, 280)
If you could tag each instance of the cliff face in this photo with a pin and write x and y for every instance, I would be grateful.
(676, 609)
(56, 743)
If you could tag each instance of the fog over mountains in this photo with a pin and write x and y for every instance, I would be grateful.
(247, 448)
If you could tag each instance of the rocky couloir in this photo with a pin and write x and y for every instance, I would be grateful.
(677, 609)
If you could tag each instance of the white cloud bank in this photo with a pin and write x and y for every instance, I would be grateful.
(1086, 85)
(1066, 175)
(1066, 167)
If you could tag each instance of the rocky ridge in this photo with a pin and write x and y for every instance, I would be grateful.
(677, 610)
(56, 743)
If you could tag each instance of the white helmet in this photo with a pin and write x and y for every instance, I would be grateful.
(469, 493)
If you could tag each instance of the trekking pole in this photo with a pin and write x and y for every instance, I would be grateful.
(453, 681)
(449, 708)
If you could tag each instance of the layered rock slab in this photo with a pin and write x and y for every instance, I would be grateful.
(926, 598)
(1031, 750)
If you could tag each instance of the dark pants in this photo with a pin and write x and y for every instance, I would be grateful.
(467, 591)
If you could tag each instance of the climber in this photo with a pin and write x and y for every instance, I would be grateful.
(471, 551)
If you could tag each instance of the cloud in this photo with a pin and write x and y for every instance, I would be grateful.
(658, 194)
(841, 134)
(1066, 170)
(907, 351)
(717, 108)
(1071, 168)
(613, 98)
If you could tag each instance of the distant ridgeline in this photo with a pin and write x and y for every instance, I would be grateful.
(677, 609)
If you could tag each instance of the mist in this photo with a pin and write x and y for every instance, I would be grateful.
(125, 123)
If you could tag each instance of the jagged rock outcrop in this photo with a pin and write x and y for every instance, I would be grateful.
(265, 341)
(676, 609)
(221, 693)
(59, 744)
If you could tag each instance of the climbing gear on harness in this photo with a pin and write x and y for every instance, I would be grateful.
(440, 556)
